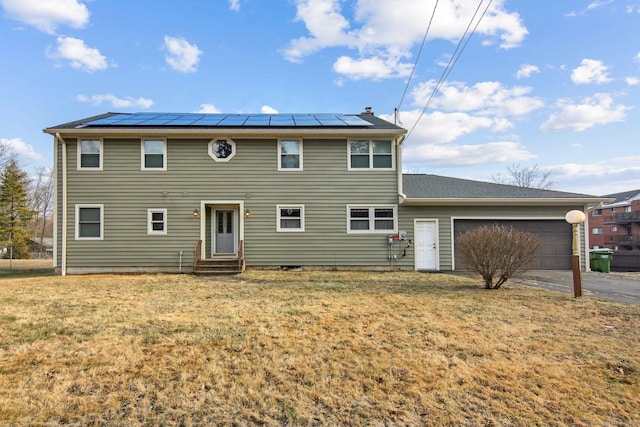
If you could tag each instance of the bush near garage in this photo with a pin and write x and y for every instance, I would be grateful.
(497, 252)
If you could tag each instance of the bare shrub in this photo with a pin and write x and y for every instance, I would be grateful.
(497, 252)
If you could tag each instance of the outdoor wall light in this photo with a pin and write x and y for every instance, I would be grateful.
(575, 218)
(247, 213)
(196, 213)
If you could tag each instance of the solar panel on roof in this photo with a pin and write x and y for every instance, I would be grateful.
(235, 120)
(258, 120)
(331, 121)
(217, 119)
(355, 121)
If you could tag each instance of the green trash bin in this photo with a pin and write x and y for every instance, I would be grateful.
(600, 260)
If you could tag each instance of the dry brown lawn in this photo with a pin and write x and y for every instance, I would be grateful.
(311, 348)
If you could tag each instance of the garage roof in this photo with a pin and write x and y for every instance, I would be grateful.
(436, 189)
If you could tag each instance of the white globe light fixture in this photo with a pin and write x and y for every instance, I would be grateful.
(575, 218)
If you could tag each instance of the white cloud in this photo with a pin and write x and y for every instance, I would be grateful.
(183, 56)
(598, 3)
(632, 81)
(526, 70)
(637, 57)
(483, 98)
(266, 109)
(80, 56)
(438, 127)
(384, 31)
(593, 111)
(607, 176)
(116, 102)
(465, 155)
(47, 15)
(208, 109)
(234, 5)
(373, 68)
(590, 71)
(21, 148)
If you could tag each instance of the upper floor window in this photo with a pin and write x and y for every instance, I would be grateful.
(597, 212)
(90, 154)
(370, 154)
(614, 228)
(627, 208)
(290, 154)
(222, 149)
(596, 230)
(371, 219)
(154, 154)
(89, 222)
(156, 221)
(290, 218)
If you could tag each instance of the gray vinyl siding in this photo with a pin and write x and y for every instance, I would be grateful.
(325, 187)
(444, 214)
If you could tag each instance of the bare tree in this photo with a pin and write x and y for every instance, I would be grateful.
(41, 202)
(6, 153)
(523, 176)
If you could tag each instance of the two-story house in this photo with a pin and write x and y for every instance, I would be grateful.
(150, 192)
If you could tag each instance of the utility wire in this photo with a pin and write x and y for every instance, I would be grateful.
(452, 61)
(424, 39)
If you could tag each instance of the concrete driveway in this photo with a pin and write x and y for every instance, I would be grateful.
(618, 287)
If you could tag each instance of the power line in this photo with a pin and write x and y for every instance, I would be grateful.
(453, 60)
(424, 39)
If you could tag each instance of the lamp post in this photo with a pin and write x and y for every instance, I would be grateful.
(575, 218)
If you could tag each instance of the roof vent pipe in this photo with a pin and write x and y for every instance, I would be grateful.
(368, 111)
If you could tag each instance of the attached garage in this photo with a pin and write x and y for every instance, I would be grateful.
(554, 252)
(436, 210)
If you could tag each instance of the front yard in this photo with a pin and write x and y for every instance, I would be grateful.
(272, 348)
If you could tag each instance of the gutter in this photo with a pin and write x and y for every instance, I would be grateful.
(401, 195)
(505, 201)
(231, 132)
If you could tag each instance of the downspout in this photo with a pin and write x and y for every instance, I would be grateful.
(63, 248)
(401, 195)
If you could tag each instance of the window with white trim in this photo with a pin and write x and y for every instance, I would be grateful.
(596, 230)
(289, 155)
(371, 219)
(90, 154)
(371, 154)
(157, 221)
(596, 212)
(89, 222)
(614, 228)
(154, 154)
(290, 217)
(222, 149)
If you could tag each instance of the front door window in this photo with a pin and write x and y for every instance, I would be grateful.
(224, 231)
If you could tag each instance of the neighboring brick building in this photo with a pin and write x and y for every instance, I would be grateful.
(616, 226)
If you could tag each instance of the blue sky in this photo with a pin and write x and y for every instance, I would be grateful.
(548, 83)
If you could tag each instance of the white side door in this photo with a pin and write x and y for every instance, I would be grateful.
(426, 251)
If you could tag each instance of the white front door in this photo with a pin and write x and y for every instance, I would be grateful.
(426, 251)
(224, 234)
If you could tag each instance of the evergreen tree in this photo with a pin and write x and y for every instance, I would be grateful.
(15, 214)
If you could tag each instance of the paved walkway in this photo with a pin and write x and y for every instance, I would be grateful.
(618, 287)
